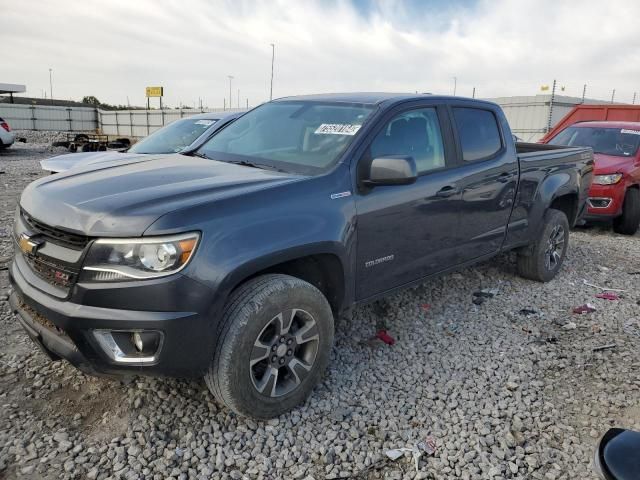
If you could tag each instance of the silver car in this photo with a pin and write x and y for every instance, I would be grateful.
(181, 136)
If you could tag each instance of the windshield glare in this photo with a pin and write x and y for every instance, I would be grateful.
(295, 136)
(173, 137)
(607, 141)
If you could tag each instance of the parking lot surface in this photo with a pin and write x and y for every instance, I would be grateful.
(511, 388)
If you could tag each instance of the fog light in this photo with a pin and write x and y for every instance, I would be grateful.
(137, 341)
(130, 346)
(599, 202)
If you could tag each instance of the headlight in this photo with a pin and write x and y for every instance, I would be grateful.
(112, 260)
(607, 179)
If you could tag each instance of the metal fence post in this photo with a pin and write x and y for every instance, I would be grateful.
(147, 113)
(70, 124)
(33, 116)
(130, 123)
(553, 96)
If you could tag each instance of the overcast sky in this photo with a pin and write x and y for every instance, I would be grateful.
(113, 49)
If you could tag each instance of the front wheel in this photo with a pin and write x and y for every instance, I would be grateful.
(273, 345)
(543, 259)
(629, 221)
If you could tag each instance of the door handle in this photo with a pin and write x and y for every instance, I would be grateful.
(447, 191)
(505, 177)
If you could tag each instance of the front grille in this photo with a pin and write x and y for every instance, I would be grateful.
(52, 272)
(56, 235)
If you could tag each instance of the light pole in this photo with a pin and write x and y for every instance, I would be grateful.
(230, 78)
(455, 85)
(50, 84)
(273, 56)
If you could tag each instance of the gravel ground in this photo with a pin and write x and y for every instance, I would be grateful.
(505, 394)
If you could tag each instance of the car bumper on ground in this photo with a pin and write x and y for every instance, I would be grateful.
(72, 331)
(605, 202)
(6, 138)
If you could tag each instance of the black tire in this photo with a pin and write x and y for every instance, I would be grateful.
(80, 138)
(629, 221)
(543, 259)
(73, 148)
(251, 319)
(87, 147)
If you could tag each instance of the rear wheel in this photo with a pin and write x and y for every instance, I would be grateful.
(629, 221)
(542, 260)
(273, 345)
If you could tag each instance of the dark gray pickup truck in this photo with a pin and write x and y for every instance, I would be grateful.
(232, 263)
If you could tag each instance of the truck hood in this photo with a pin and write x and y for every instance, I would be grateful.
(123, 199)
(605, 164)
(62, 163)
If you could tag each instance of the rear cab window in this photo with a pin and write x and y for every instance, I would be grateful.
(478, 132)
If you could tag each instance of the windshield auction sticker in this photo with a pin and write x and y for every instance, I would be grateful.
(631, 132)
(205, 122)
(337, 129)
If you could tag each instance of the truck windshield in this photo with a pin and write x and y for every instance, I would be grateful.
(173, 137)
(305, 137)
(619, 142)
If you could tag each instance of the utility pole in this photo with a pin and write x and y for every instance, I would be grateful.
(455, 85)
(584, 92)
(230, 97)
(50, 84)
(473, 95)
(613, 95)
(273, 56)
(553, 96)
(633, 102)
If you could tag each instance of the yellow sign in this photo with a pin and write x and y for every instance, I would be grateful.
(543, 88)
(155, 91)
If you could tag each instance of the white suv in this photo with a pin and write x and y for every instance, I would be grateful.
(6, 135)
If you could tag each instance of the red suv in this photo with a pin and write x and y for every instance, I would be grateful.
(615, 192)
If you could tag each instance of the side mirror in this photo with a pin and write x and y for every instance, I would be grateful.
(616, 456)
(391, 170)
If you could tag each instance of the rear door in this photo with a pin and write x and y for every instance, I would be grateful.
(488, 178)
(405, 232)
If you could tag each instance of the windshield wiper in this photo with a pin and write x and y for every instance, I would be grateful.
(262, 166)
(198, 154)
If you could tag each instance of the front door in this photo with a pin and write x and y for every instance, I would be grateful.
(405, 232)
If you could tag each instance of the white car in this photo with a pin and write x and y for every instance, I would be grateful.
(6, 135)
(180, 136)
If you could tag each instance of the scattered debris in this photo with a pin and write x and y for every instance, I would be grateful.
(570, 326)
(602, 268)
(634, 273)
(385, 337)
(528, 311)
(604, 347)
(478, 300)
(426, 307)
(486, 293)
(586, 308)
(608, 296)
(427, 446)
(605, 289)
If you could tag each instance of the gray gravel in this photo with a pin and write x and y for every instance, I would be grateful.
(505, 394)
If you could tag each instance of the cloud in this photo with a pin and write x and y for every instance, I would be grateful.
(502, 47)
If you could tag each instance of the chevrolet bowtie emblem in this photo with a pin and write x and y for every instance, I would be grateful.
(28, 245)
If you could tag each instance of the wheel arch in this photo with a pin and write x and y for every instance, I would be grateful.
(321, 266)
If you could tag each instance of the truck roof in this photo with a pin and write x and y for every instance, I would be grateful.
(374, 98)
(608, 124)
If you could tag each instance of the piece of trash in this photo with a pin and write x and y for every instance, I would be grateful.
(385, 337)
(396, 453)
(604, 347)
(633, 273)
(479, 300)
(602, 268)
(605, 289)
(527, 311)
(570, 326)
(586, 308)
(428, 446)
(426, 306)
(608, 296)
(486, 293)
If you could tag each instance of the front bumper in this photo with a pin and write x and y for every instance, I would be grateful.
(64, 328)
(610, 195)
